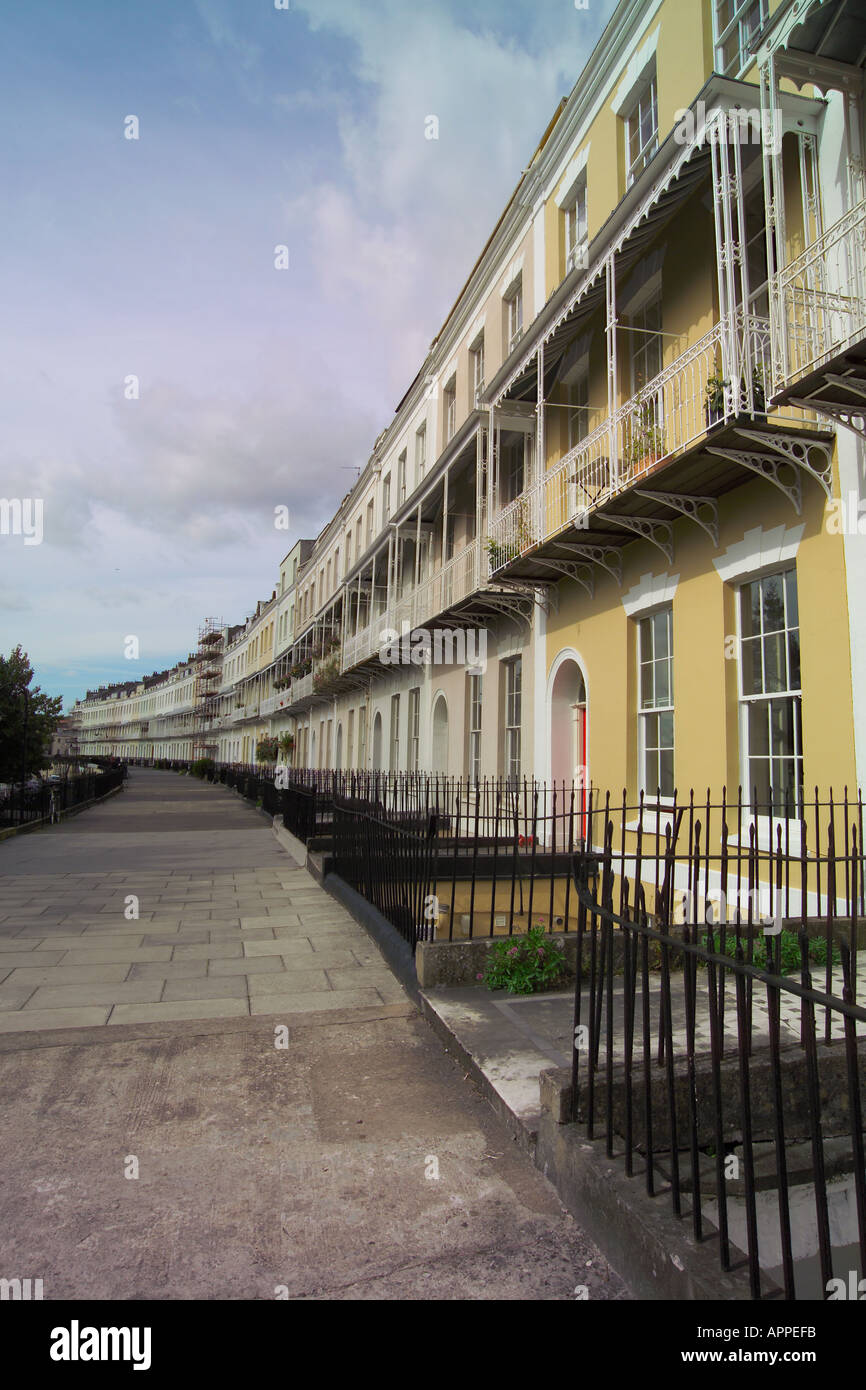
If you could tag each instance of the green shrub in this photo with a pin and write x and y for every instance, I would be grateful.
(202, 767)
(789, 943)
(525, 964)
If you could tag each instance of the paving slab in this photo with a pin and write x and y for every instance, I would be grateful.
(223, 1007)
(14, 996)
(70, 974)
(168, 970)
(248, 965)
(98, 955)
(290, 948)
(45, 958)
(37, 1020)
(115, 992)
(206, 987)
(310, 1001)
(289, 981)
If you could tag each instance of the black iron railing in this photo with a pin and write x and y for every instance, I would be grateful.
(389, 863)
(503, 849)
(726, 1081)
(47, 801)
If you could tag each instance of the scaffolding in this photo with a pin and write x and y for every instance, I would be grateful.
(206, 691)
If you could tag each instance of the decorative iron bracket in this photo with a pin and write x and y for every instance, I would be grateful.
(581, 574)
(689, 506)
(653, 529)
(799, 452)
(839, 414)
(766, 466)
(516, 609)
(545, 594)
(607, 556)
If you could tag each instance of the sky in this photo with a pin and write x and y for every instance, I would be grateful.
(164, 384)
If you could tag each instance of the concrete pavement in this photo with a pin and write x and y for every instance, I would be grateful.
(230, 1096)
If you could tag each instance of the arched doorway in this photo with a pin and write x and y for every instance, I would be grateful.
(338, 761)
(440, 734)
(569, 728)
(377, 742)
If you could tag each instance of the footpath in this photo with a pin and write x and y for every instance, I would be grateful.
(214, 1087)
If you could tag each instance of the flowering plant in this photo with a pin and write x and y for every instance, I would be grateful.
(525, 964)
(267, 750)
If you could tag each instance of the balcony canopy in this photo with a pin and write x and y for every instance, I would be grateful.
(830, 29)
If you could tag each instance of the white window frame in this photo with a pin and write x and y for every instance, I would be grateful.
(639, 348)
(420, 451)
(476, 357)
(514, 312)
(791, 695)
(386, 498)
(575, 227)
(401, 478)
(362, 736)
(475, 716)
(654, 795)
(513, 716)
(450, 403)
(394, 741)
(578, 412)
(414, 728)
(646, 98)
(737, 25)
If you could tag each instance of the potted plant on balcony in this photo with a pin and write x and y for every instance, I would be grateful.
(759, 395)
(500, 554)
(645, 444)
(715, 398)
(327, 673)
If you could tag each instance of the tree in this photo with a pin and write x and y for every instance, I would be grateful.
(28, 719)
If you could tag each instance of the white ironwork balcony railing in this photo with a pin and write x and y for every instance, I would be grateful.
(455, 581)
(269, 705)
(719, 377)
(362, 644)
(302, 688)
(818, 302)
